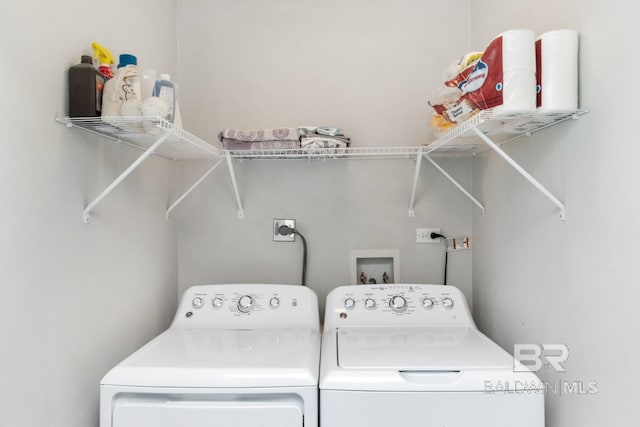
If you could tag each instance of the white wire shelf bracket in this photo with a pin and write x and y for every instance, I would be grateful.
(523, 172)
(441, 170)
(234, 182)
(186, 193)
(481, 132)
(456, 183)
(148, 134)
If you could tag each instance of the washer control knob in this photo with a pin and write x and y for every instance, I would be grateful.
(217, 302)
(245, 303)
(398, 303)
(370, 303)
(198, 302)
(349, 303)
(447, 302)
(274, 302)
(427, 302)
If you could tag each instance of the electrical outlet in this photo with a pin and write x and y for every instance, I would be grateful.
(277, 223)
(423, 235)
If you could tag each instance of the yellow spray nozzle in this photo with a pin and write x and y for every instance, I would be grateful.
(102, 53)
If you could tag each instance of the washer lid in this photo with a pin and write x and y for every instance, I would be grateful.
(419, 349)
(223, 358)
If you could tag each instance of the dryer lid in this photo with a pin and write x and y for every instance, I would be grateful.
(419, 349)
(223, 358)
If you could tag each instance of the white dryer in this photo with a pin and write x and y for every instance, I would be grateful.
(234, 356)
(411, 356)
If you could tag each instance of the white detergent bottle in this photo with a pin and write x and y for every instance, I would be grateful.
(165, 89)
(124, 86)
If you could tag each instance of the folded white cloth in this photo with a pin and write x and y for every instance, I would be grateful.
(313, 142)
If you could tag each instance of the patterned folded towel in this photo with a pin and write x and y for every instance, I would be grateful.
(234, 144)
(259, 135)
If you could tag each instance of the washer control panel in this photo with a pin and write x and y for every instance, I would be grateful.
(396, 305)
(259, 306)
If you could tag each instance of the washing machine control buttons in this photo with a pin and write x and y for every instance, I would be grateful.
(427, 302)
(398, 303)
(217, 302)
(274, 302)
(447, 303)
(245, 303)
(349, 303)
(370, 303)
(198, 302)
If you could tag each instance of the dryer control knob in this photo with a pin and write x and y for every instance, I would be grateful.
(198, 302)
(398, 303)
(274, 302)
(370, 303)
(217, 302)
(245, 303)
(427, 303)
(349, 303)
(447, 303)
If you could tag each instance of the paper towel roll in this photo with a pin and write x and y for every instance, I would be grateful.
(557, 70)
(519, 72)
(505, 77)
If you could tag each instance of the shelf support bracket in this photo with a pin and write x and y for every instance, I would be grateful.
(416, 175)
(522, 172)
(456, 183)
(232, 173)
(177, 202)
(86, 215)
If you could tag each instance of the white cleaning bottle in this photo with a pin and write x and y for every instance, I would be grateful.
(165, 89)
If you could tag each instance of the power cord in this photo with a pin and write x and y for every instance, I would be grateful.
(446, 254)
(285, 230)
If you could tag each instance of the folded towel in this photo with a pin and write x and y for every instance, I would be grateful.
(321, 130)
(234, 144)
(313, 142)
(259, 135)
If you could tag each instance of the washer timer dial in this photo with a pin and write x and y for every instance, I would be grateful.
(245, 303)
(398, 303)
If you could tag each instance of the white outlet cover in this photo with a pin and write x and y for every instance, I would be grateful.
(423, 235)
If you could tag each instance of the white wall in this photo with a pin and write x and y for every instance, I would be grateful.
(76, 298)
(537, 279)
(366, 66)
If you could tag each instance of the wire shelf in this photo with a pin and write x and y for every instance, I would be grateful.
(328, 153)
(501, 127)
(143, 132)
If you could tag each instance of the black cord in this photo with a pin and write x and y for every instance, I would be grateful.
(285, 230)
(304, 258)
(446, 254)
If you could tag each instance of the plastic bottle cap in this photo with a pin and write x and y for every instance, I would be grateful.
(127, 59)
(166, 77)
(86, 59)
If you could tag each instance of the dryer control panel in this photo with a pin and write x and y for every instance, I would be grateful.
(397, 305)
(248, 306)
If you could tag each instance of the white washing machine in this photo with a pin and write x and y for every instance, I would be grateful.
(411, 356)
(234, 356)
